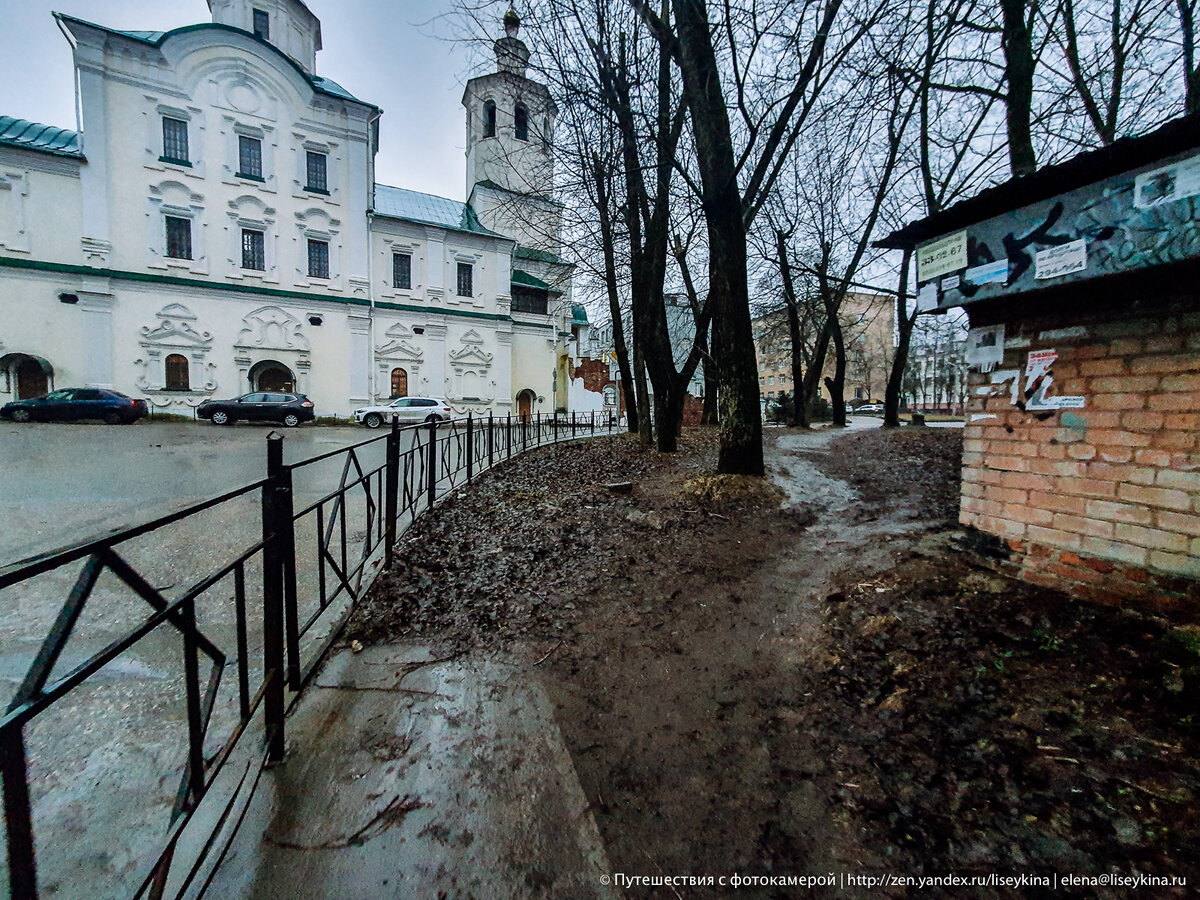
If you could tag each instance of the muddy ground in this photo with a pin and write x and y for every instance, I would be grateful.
(820, 685)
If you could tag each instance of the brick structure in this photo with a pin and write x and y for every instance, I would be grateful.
(1081, 462)
(1106, 498)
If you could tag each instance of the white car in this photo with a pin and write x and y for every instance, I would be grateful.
(408, 410)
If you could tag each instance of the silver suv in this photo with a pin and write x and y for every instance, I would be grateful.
(407, 410)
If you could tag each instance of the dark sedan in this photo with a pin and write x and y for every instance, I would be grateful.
(70, 404)
(261, 406)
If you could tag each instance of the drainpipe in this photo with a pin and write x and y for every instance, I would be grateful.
(370, 308)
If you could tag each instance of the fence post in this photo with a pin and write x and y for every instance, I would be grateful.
(273, 666)
(555, 426)
(287, 555)
(432, 473)
(572, 425)
(471, 448)
(392, 490)
(593, 423)
(491, 440)
(18, 815)
(524, 434)
(508, 433)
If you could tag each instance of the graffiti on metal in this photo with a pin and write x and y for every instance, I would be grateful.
(1142, 218)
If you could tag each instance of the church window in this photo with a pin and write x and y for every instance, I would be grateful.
(466, 273)
(262, 25)
(402, 270)
(317, 172)
(521, 115)
(318, 259)
(253, 250)
(177, 373)
(179, 238)
(175, 140)
(489, 119)
(399, 383)
(530, 300)
(249, 157)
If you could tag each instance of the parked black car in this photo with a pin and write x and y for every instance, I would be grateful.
(261, 406)
(70, 404)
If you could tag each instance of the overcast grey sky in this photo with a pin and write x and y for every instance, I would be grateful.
(393, 53)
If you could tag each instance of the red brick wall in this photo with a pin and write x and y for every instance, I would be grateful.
(1104, 500)
(594, 373)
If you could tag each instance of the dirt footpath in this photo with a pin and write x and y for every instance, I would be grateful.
(804, 676)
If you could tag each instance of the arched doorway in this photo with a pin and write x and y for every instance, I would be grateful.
(525, 401)
(270, 375)
(27, 376)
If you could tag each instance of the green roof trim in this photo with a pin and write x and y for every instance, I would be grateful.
(43, 138)
(524, 279)
(428, 209)
(156, 38)
(538, 255)
(578, 314)
(8, 262)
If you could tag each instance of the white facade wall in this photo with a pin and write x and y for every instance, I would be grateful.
(96, 229)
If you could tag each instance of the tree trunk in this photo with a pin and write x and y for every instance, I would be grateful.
(837, 384)
(891, 398)
(799, 416)
(608, 241)
(645, 435)
(712, 385)
(812, 378)
(1191, 71)
(1018, 72)
(733, 339)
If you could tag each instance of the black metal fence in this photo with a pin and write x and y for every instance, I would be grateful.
(308, 563)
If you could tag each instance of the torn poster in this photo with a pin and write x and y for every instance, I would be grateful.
(1038, 363)
(1168, 184)
(989, 273)
(927, 297)
(985, 347)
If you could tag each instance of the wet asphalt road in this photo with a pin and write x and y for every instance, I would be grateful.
(64, 482)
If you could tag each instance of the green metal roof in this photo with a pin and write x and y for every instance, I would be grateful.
(319, 84)
(538, 255)
(526, 280)
(45, 138)
(427, 209)
(578, 314)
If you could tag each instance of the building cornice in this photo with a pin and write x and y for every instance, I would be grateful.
(149, 278)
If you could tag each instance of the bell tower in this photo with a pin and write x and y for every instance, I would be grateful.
(286, 24)
(510, 146)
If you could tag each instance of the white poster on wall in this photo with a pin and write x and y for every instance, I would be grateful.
(927, 297)
(985, 347)
(942, 256)
(1168, 184)
(1054, 262)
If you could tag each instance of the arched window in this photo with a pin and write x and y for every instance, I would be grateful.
(521, 114)
(399, 383)
(177, 373)
(489, 119)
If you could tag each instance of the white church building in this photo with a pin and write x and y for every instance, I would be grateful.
(214, 227)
